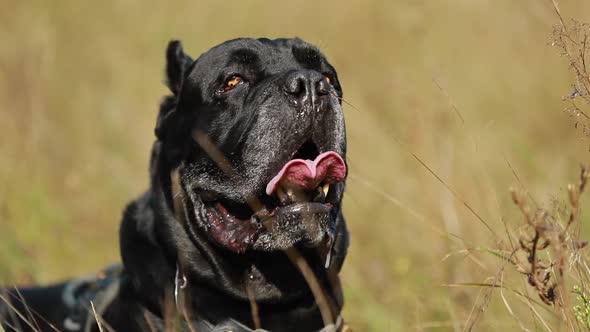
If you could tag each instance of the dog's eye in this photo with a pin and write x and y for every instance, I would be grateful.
(328, 79)
(232, 82)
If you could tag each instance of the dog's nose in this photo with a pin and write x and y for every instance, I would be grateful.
(306, 86)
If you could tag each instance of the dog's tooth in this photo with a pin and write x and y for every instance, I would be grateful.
(325, 189)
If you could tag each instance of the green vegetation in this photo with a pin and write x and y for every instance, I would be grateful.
(582, 310)
(467, 91)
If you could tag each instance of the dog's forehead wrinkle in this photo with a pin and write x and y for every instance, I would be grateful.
(279, 56)
(243, 56)
(237, 49)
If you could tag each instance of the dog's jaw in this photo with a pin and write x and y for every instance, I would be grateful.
(298, 208)
(229, 231)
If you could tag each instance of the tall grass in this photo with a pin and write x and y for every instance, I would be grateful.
(454, 102)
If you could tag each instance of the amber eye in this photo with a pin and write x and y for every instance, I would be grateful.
(232, 82)
(328, 79)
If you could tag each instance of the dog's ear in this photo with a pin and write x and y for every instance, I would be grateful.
(177, 64)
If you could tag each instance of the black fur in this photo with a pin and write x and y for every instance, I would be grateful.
(258, 127)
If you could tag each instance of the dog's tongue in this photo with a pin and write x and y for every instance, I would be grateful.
(328, 167)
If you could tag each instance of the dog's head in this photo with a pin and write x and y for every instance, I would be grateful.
(253, 143)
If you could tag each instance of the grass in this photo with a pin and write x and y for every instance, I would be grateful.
(453, 102)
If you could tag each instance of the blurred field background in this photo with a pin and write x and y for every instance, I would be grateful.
(472, 88)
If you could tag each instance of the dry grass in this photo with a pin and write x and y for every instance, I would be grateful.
(454, 101)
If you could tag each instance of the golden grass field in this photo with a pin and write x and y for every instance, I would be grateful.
(471, 90)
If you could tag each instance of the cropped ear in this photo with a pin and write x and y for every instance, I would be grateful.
(177, 64)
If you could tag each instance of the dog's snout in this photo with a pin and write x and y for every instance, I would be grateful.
(306, 86)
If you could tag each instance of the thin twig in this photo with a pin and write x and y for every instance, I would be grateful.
(96, 317)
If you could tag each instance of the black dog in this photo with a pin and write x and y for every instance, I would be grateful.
(244, 207)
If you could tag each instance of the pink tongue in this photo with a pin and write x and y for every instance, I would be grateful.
(309, 174)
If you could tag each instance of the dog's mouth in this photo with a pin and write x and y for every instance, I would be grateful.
(295, 208)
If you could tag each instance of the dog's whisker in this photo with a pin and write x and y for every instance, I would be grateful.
(344, 101)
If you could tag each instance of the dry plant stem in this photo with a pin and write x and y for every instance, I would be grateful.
(313, 283)
(320, 296)
(477, 310)
(253, 308)
(453, 106)
(422, 219)
(574, 196)
(573, 40)
(29, 313)
(538, 276)
(18, 313)
(521, 295)
(574, 47)
(99, 320)
(507, 305)
(14, 328)
(96, 317)
(547, 276)
(457, 197)
(217, 156)
(148, 322)
(170, 313)
(4, 298)
(558, 12)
